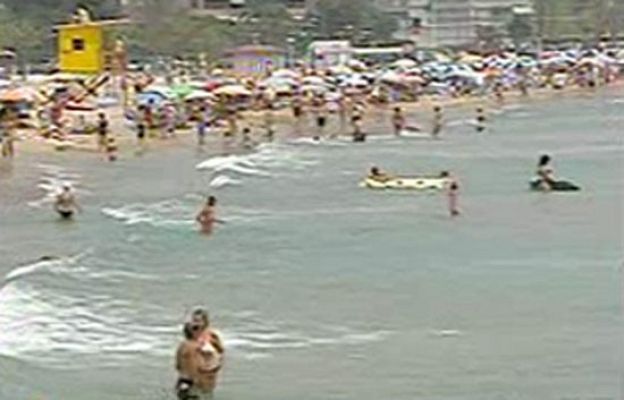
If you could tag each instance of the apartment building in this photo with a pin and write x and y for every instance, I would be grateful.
(434, 23)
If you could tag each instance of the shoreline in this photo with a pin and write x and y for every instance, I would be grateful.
(28, 142)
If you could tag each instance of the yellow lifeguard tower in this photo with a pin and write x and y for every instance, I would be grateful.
(84, 46)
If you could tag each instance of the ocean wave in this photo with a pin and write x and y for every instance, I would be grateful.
(222, 181)
(52, 181)
(268, 158)
(52, 328)
(162, 214)
(447, 333)
(49, 264)
(262, 341)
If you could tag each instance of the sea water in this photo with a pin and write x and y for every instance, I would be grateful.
(323, 289)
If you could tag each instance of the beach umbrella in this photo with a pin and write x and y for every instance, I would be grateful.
(181, 91)
(356, 65)
(355, 81)
(285, 73)
(18, 95)
(341, 70)
(198, 95)
(313, 80)
(316, 89)
(404, 63)
(233, 90)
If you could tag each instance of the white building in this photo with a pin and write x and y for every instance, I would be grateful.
(435, 23)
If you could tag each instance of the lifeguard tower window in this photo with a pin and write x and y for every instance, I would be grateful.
(78, 44)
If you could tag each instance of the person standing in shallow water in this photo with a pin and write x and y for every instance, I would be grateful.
(207, 216)
(199, 359)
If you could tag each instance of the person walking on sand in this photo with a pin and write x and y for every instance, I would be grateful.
(398, 121)
(7, 139)
(202, 127)
(438, 120)
(480, 120)
(207, 216)
(141, 130)
(111, 149)
(269, 122)
(453, 198)
(102, 131)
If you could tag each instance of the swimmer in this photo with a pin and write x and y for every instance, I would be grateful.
(207, 216)
(66, 204)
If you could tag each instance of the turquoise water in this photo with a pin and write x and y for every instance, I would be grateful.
(321, 289)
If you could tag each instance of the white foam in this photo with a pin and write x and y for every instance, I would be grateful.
(52, 329)
(447, 333)
(164, 213)
(222, 181)
(52, 265)
(52, 181)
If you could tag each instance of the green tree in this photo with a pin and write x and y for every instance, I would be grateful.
(160, 28)
(350, 17)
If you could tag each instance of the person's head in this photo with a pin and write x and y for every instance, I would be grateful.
(437, 109)
(200, 318)
(101, 115)
(544, 160)
(374, 171)
(479, 110)
(444, 174)
(246, 131)
(211, 201)
(397, 109)
(66, 187)
(454, 186)
(191, 330)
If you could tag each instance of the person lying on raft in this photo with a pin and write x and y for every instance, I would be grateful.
(377, 175)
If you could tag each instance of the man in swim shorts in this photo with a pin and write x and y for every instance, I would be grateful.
(65, 204)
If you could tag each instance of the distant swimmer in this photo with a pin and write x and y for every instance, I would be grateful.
(453, 198)
(545, 173)
(480, 120)
(199, 359)
(65, 204)
(377, 175)
(438, 120)
(207, 216)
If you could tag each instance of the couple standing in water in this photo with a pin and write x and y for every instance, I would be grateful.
(199, 358)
